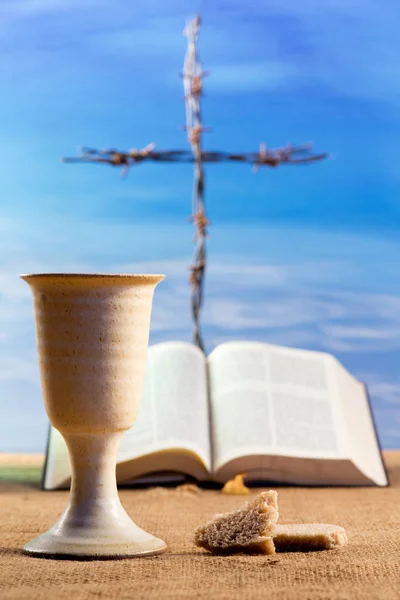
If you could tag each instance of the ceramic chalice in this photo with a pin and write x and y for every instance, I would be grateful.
(92, 337)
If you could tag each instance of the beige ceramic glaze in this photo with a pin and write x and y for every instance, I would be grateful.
(92, 337)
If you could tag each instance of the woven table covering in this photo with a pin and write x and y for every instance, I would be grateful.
(368, 567)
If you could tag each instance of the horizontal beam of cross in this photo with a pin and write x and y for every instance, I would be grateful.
(264, 157)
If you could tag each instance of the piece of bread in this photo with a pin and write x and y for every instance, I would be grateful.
(246, 529)
(308, 536)
(236, 486)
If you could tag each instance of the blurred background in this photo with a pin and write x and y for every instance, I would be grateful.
(303, 256)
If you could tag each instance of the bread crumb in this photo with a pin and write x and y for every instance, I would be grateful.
(236, 486)
(188, 488)
(157, 491)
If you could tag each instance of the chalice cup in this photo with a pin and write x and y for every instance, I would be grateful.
(92, 335)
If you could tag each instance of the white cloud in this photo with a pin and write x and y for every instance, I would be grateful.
(383, 388)
(294, 337)
(18, 368)
(243, 298)
(361, 333)
(386, 411)
(230, 270)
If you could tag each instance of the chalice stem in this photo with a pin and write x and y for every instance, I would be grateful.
(94, 494)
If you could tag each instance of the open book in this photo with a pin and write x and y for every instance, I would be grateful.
(277, 414)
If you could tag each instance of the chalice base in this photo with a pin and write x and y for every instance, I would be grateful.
(116, 537)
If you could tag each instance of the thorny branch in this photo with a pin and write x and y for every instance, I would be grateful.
(288, 155)
(193, 87)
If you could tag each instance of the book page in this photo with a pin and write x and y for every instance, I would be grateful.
(267, 400)
(307, 418)
(174, 409)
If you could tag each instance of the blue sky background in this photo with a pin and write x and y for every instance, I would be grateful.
(302, 256)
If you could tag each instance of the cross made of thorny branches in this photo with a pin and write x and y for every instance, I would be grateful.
(193, 76)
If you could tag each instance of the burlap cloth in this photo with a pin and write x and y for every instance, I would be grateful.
(369, 567)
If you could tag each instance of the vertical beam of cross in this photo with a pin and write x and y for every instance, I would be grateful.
(192, 83)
